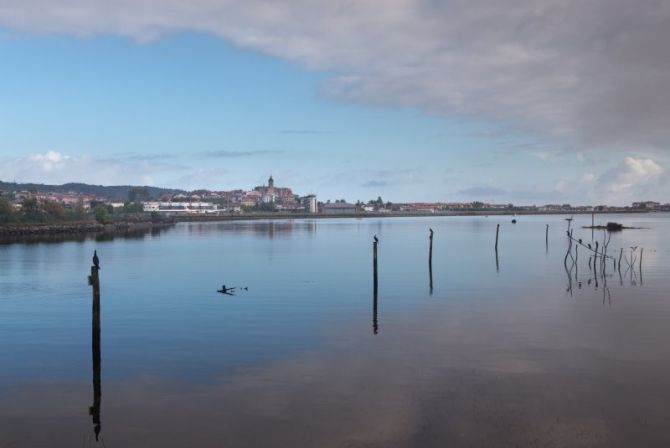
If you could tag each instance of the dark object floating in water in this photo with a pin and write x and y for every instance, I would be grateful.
(610, 227)
(228, 291)
(514, 221)
(231, 291)
(614, 226)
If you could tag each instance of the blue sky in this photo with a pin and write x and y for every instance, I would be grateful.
(193, 107)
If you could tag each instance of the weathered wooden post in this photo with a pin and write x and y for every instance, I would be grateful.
(497, 232)
(430, 262)
(546, 237)
(375, 322)
(430, 247)
(374, 261)
(94, 410)
(641, 253)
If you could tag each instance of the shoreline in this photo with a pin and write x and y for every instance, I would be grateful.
(79, 228)
(13, 231)
(289, 216)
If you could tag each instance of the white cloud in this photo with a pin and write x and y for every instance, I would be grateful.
(53, 167)
(630, 179)
(591, 73)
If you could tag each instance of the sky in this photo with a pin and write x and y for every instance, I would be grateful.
(523, 101)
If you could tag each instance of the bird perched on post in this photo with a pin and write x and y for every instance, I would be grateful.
(376, 239)
(96, 260)
(431, 232)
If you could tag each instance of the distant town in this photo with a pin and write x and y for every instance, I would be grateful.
(263, 199)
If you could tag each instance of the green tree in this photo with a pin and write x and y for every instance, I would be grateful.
(6, 211)
(131, 207)
(102, 215)
(79, 212)
(54, 211)
(31, 211)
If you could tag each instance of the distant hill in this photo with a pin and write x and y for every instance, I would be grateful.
(118, 192)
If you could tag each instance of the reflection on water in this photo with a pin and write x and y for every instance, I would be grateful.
(58, 238)
(598, 263)
(490, 359)
(263, 228)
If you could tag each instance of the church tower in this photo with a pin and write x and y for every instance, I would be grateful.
(271, 182)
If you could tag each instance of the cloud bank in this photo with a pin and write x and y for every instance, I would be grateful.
(592, 74)
(53, 167)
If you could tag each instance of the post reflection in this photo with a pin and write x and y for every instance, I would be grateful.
(375, 318)
(94, 410)
(598, 276)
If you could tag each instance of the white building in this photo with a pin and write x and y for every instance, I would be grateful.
(181, 208)
(310, 204)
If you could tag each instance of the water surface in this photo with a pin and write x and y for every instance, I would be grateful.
(518, 351)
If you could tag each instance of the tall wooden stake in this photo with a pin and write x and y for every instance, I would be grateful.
(497, 232)
(94, 410)
(375, 322)
(546, 237)
(430, 262)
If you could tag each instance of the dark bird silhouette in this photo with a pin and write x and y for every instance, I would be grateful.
(228, 291)
(96, 260)
(514, 221)
(580, 241)
(376, 239)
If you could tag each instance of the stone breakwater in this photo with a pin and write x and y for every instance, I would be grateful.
(79, 228)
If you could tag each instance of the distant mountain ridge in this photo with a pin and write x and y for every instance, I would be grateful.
(118, 192)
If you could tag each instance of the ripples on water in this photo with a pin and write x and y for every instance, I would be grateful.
(518, 350)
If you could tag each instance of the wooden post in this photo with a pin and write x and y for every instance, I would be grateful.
(94, 410)
(497, 232)
(546, 237)
(641, 252)
(375, 322)
(374, 263)
(430, 248)
(620, 255)
(593, 224)
(430, 262)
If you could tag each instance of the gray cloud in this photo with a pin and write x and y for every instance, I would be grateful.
(588, 74)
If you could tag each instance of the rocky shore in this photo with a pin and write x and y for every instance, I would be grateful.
(79, 228)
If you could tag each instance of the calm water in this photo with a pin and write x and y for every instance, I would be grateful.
(494, 355)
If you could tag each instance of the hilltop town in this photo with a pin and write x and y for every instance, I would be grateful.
(43, 203)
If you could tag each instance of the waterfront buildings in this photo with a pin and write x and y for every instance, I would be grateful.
(338, 208)
(181, 208)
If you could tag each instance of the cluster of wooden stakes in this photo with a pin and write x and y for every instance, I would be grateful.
(598, 259)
